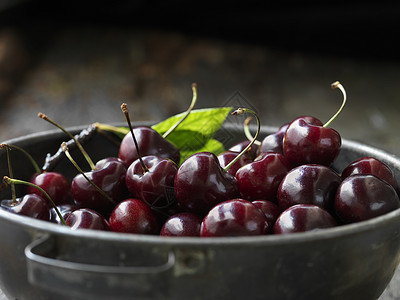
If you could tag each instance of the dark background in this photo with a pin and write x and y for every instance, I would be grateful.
(363, 29)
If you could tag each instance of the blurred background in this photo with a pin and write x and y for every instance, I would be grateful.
(77, 61)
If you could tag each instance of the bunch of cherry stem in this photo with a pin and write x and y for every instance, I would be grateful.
(12, 181)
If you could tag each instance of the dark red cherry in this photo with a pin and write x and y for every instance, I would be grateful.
(261, 178)
(31, 205)
(85, 218)
(239, 147)
(236, 217)
(133, 216)
(53, 183)
(155, 185)
(226, 157)
(309, 184)
(270, 210)
(109, 176)
(201, 183)
(308, 142)
(274, 141)
(363, 197)
(150, 142)
(303, 217)
(182, 224)
(372, 166)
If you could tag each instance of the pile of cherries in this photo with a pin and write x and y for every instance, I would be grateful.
(283, 184)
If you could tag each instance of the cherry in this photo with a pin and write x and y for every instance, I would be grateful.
(182, 224)
(307, 142)
(274, 141)
(270, 210)
(309, 184)
(201, 183)
(133, 216)
(150, 178)
(372, 166)
(31, 205)
(155, 185)
(226, 157)
(261, 178)
(362, 197)
(85, 218)
(102, 188)
(150, 142)
(236, 217)
(303, 217)
(55, 184)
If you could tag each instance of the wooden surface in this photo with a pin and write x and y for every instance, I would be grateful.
(80, 74)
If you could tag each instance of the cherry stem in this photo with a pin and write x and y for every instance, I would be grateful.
(10, 173)
(122, 131)
(124, 108)
(337, 85)
(78, 144)
(237, 112)
(247, 130)
(192, 104)
(34, 163)
(64, 148)
(17, 181)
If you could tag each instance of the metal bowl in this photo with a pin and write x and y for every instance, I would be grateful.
(41, 260)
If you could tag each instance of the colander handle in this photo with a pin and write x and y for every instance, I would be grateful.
(94, 281)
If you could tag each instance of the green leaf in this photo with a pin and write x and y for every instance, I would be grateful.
(193, 134)
(207, 121)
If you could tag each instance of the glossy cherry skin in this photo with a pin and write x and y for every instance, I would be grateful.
(239, 147)
(363, 197)
(309, 184)
(109, 176)
(308, 142)
(303, 217)
(30, 205)
(236, 217)
(54, 184)
(270, 210)
(150, 142)
(182, 224)
(133, 216)
(201, 183)
(64, 209)
(85, 218)
(274, 141)
(155, 186)
(226, 157)
(261, 178)
(372, 166)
